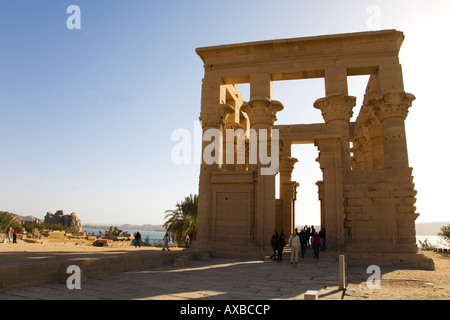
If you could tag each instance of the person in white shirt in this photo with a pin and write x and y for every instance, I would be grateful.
(294, 243)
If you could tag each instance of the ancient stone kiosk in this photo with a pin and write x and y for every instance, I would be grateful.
(367, 192)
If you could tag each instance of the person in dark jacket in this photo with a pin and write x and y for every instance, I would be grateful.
(315, 240)
(322, 238)
(303, 242)
(274, 245)
(137, 239)
(281, 244)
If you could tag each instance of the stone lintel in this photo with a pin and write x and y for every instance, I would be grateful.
(244, 177)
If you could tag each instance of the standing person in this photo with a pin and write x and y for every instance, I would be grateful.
(166, 242)
(8, 233)
(294, 242)
(280, 246)
(16, 230)
(137, 239)
(303, 242)
(274, 245)
(322, 238)
(187, 241)
(316, 245)
(308, 236)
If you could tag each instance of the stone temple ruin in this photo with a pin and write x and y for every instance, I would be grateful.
(367, 192)
(72, 221)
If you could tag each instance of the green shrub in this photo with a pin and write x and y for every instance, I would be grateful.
(445, 232)
(45, 226)
(426, 246)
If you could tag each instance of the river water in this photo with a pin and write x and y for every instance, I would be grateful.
(152, 235)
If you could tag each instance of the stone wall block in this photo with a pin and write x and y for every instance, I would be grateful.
(404, 193)
(360, 202)
(387, 201)
(353, 209)
(409, 201)
(406, 186)
(383, 187)
(406, 209)
(348, 187)
(361, 186)
(353, 194)
(377, 194)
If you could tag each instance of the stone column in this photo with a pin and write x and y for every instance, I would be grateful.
(333, 204)
(213, 116)
(376, 141)
(234, 147)
(337, 112)
(321, 197)
(391, 109)
(261, 111)
(358, 160)
(288, 194)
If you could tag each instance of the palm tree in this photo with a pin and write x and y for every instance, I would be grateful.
(8, 219)
(183, 220)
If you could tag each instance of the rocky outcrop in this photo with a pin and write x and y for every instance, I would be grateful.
(71, 221)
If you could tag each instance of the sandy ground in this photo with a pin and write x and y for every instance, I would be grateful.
(410, 284)
(394, 285)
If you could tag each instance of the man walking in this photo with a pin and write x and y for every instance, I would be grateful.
(137, 239)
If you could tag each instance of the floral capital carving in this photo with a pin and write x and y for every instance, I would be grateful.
(262, 110)
(336, 107)
(393, 104)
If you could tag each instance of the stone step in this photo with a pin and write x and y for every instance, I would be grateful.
(31, 274)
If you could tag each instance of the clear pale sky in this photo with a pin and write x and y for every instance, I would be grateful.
(87, 115)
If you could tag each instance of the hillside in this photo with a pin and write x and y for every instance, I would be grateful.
(28, 219)
(429, 229)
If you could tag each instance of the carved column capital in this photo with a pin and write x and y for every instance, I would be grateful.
(233, 126)
(215, 115)
(373, 124)
(393, 104)
(262, 110)
(287, 164)
(336, 107)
